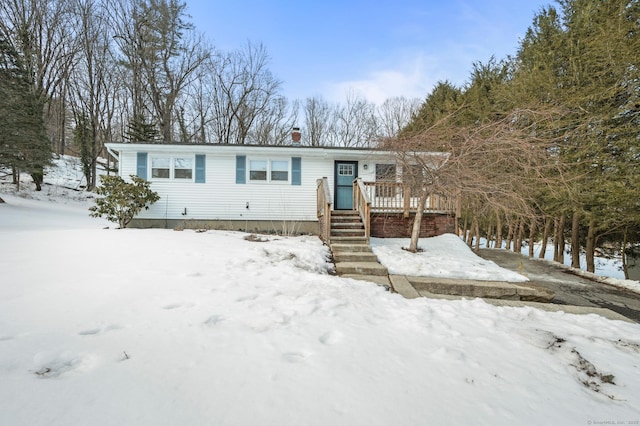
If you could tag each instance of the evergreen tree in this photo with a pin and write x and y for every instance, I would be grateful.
(23, 140)
(140, 130)
(444, 99)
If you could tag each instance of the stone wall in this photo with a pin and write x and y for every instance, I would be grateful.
(395, 225)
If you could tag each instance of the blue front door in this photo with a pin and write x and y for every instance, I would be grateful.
(345, 173)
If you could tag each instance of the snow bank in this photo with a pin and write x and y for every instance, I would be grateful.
(445, 256)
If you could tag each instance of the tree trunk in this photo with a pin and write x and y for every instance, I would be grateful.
(591, 246)
(464, 229)
(558, 247)
(417, 222)
(469, 233)
(545, 236)
(532, 235)
(625, 267)
(458, 214)
(510, 233)
(489, 235)
(476, 231)
(15, 175)
(517, 248)
(575, 240)
(498, 230)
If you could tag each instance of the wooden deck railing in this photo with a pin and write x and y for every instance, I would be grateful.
(362, 204)
(324, 201)
(397, 197)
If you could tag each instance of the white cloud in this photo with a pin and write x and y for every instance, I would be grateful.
(410, 81)
(412, 78)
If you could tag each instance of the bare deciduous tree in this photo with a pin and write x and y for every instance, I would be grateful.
(353, 123)
(243, 89)
(317, 113)
(394, 114)
(492, 167)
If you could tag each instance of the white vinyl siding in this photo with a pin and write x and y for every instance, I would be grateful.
(219, 197)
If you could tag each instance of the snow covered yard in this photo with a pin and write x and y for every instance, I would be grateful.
(160, 327)
(445, 256)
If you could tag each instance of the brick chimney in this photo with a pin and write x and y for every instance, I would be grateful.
(296, 136)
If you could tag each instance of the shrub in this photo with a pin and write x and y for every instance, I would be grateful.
(122, 200)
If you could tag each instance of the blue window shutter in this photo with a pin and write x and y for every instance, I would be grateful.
(296, 171)
(241, 169)
(141, 167)
(200, 168)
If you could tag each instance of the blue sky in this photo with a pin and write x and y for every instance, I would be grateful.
(376, 49)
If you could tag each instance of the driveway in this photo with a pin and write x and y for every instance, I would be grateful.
(570, 289)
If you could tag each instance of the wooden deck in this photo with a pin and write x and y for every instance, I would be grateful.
(378, 197)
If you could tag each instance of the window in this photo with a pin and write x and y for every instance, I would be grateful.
(258, 170)
(161, 167)
(177, 168)
(269, 170)
(345, 170)
(183, 168)
(280, 171)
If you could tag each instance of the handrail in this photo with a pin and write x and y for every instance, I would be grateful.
(398, 197)
(362, 203)
(323, 200)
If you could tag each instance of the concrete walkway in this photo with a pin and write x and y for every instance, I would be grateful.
(569, 288)
(402, 286)
(355, 259)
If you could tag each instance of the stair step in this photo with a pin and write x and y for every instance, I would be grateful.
(348, 239)
(346, 218)
(342, 256)
(344, 225)
(351, 247)
(347, 232)
(361, 268)
(344, 213)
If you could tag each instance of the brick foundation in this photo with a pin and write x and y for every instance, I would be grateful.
(395, 225)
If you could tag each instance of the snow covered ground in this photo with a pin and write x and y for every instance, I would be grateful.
(445, 256)
(160, 327)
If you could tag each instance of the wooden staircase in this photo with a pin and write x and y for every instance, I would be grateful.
(346, 225)
(351, 251)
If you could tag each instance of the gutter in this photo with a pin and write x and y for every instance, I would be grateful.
(114, 154)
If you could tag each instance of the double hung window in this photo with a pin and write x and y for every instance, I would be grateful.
(269, 170)
(177, 168)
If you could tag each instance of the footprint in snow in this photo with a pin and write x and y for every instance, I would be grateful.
(99, 330)
(295, 357)
(49, 365)
(172, 306)
(177, 305)
(330, 338)
(90, 332)
(214, 320)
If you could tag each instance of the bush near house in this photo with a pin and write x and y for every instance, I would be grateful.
(122, 200)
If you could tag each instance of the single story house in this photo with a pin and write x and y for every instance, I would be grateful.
(282, 189)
